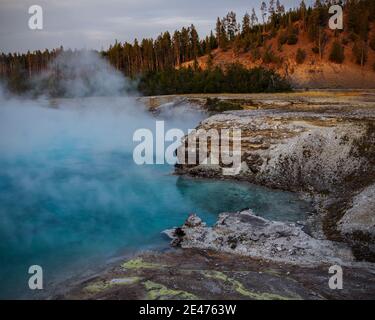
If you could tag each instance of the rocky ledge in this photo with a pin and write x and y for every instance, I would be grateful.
(327, 153)
(241, 257)
(246, 234)
(207, 274)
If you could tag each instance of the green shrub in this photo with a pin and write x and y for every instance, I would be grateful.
(283, 38)
(292, 35)
(235, 79)
(255, 53)
(292, 39)
(315, 50)
(337, 53)
(300, 56)
(270, 57)
(216, 105)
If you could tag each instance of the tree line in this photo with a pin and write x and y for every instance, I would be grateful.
(235, 79)
(168, 51)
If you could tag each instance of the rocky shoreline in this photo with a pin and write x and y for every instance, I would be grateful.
(329, 155)
(320, 145)
(244, 233)
(190, 274)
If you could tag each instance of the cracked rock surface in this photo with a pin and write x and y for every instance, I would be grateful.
(246, 234)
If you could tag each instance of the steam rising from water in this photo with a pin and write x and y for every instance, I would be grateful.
(81, 74)
(70, 193)
(69, 188)
(100, 115)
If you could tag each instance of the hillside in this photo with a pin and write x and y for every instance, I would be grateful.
(295, 43)
(314, 72)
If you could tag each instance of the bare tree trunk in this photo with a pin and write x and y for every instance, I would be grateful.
(320, 44)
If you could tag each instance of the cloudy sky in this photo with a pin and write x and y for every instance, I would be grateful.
(95, 24)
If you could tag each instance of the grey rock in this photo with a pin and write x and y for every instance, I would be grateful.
(358, 223)
(361, 216)
(298, 151)
(246, 234)
(193, 221)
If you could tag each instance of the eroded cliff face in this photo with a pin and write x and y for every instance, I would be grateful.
(328, 153)
(297, 151)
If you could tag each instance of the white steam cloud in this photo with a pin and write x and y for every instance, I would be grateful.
(100, 115)
(81, 74)
(66, 170)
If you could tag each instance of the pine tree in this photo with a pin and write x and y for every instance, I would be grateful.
(263, 9)
(177, 47)
(231, 25)
(194, 42)
(185, 44)
(213, 42)
(254, 18)
(303, 10)
(271, 8)
(337, 53)
(246, 27)
(218, 31)
(221, 33)
(280, 9)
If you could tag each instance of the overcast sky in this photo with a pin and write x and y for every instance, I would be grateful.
(95, 24)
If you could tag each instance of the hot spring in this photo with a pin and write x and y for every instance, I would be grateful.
(71, 196)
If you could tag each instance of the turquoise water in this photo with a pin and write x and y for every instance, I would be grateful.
(70, 200)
